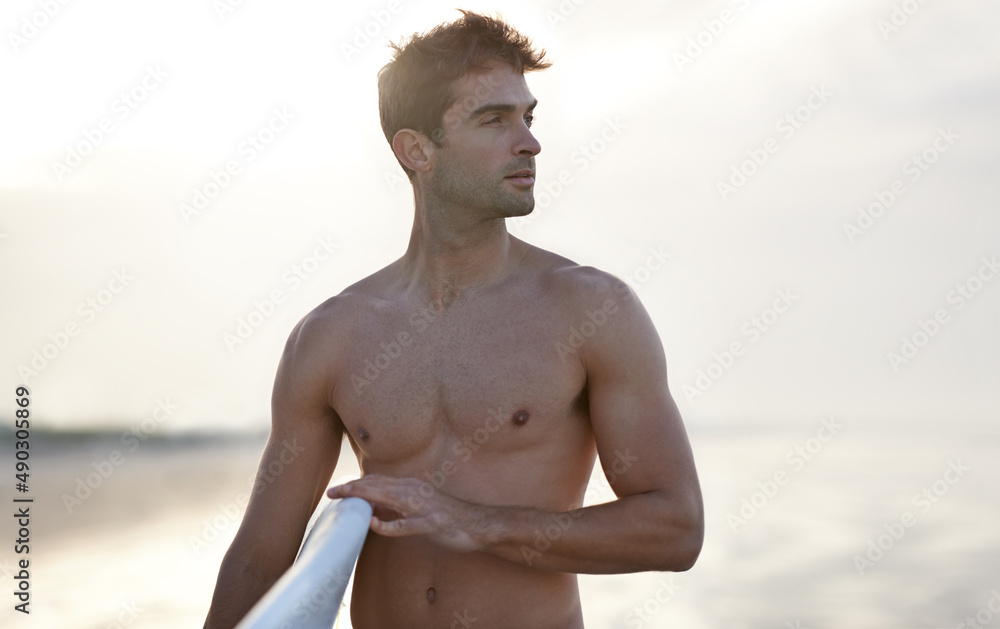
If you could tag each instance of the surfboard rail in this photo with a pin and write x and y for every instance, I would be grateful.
(309, 594)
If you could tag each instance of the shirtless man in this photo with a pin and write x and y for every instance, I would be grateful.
(477, 378)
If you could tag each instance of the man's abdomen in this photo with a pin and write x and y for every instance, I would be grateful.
(412, 583)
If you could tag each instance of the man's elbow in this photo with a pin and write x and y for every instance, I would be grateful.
(682, 542)
(689, 548)
(241, 583)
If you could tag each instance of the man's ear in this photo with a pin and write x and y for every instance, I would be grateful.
(414, 149)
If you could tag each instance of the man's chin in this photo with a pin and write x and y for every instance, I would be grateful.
(522, 210)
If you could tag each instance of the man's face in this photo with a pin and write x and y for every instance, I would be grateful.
(487, 163)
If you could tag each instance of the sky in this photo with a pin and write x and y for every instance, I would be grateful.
(803, 195)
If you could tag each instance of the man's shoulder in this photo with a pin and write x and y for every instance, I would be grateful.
(352, 304)
(581, 292)
(336, 317)
(567, 280)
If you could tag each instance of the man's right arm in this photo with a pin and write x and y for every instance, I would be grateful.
(298, 461)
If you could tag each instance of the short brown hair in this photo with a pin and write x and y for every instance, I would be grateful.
(415, 87)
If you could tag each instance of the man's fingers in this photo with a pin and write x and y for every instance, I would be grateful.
(399, 509)
(394, 494)
(406, 526)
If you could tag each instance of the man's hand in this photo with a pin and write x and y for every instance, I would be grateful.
(408, 506)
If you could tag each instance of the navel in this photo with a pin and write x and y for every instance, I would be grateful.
(520, 418)
(431, 593)
(363, 433)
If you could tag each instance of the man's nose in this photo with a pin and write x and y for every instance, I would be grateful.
(527, 144)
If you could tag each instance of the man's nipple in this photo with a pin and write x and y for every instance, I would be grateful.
(431, 593)
(520, 418)
(363, 433)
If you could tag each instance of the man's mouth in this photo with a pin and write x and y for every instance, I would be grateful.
(522, 177)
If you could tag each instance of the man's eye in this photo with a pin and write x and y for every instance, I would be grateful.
(529, 119)
(493, 119)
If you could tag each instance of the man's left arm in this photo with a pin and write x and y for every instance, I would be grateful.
(657, 522)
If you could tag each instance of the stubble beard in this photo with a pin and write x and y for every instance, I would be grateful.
(473, 191)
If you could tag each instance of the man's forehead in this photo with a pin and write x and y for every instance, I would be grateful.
(498, 84)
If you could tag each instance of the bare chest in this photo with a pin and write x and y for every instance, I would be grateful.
(421, 384)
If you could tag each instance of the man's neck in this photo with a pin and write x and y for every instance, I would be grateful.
(447, 257)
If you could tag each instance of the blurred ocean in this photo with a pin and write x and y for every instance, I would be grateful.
(143, 549)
